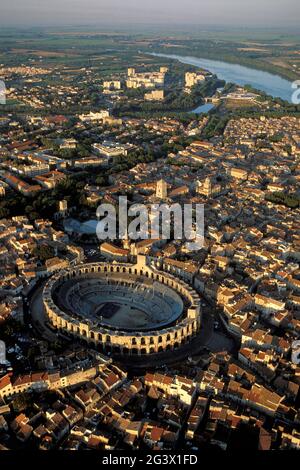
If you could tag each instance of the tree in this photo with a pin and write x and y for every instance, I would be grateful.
(21, 402)
(44, 252)
(100, 180)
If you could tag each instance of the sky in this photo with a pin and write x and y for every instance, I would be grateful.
(259, 13)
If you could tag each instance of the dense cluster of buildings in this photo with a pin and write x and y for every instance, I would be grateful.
(146, 79)
(21, 266)
(240, 288)
(94, 405)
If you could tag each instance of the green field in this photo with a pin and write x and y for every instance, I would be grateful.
(270, 50)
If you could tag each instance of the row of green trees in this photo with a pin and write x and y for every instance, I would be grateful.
(292, 201)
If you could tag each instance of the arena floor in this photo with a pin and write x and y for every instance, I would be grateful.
(124, 314)
(111, 303)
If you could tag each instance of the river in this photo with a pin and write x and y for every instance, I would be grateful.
(203, 108)
(271, 84)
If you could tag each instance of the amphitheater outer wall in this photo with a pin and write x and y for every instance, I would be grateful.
(118, 341)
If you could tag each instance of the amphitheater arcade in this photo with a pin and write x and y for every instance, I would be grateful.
(143, 280)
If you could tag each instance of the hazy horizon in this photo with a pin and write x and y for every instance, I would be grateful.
(257, 13)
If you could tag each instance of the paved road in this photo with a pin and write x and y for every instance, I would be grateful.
(38, 316)
(207, 338)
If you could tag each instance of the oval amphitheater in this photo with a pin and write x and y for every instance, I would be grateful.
(123, 308)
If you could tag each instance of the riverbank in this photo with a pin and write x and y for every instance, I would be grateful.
(271, 84)
(255, 64)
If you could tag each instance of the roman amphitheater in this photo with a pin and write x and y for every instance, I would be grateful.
(123, 308)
